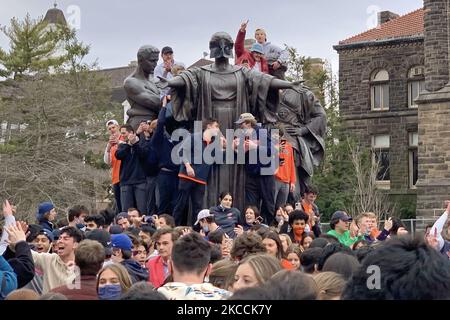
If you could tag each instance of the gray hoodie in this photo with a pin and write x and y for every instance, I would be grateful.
(274, 53)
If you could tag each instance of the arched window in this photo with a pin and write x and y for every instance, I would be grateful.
(416, 83)
(379, 90)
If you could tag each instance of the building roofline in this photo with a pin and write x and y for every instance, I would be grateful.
(379, 43)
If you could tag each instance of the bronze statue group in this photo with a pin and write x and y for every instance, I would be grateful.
(223, 92)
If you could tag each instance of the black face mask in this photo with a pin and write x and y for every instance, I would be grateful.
(221, 49)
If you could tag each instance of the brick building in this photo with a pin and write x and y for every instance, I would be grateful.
(381, 73)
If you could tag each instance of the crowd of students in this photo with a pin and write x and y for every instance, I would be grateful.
(129, 256)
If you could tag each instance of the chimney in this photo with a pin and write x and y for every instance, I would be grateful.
(385, 16)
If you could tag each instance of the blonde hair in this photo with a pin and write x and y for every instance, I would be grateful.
(288, 239)
(331, 285)
(222, 273)
(176, 69)
(264, 266)
(122, 274)
(263, 31)
(369, 215)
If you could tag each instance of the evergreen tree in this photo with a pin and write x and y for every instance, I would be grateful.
(32, 48)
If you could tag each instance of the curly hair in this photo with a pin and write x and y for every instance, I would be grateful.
(246, 244)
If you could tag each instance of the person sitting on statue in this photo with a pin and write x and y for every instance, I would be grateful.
(277, 58)
(259, 179)
(164, 69)
(253, 58)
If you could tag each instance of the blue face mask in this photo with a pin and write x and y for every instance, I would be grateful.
(206, 228)
(110, 292)
(80, 226)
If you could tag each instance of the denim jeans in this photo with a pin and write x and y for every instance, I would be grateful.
(281, 193)
(134, 195)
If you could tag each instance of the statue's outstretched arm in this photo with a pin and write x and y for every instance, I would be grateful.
(282, 84)
(176, 82)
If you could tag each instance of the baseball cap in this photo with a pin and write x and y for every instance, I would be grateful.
(110, 122)
(103, 237)
(341, 215)
(166, 50)
(203, 214)
(43, 208)
(245, 117)
(121, 241)
(256, 47)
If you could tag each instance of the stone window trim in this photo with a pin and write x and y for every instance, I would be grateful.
(379, 90)
(416, 77)
(381, 143)
(413, 148)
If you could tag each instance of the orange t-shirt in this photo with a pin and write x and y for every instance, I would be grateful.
(286, 172)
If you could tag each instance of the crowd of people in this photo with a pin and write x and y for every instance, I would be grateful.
(110, 257)
(160, 241)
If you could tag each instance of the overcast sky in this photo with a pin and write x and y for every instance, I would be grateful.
(115, 29)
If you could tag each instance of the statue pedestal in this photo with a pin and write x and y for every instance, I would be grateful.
(433, 185)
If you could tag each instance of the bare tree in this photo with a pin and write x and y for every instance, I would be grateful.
(50, 154)
(367, 196)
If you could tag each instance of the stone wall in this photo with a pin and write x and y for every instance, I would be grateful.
(433, 186)
(436, 44)
(355, 68)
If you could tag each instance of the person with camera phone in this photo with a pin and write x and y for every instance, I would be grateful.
(109, 157)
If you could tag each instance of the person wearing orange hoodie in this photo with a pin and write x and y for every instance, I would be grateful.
(285, 178)
(110, 159)
(253, 58)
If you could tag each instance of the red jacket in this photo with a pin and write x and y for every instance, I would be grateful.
(155, 269)
(243, 54)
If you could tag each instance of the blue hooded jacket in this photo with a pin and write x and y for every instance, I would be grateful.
(8, 279)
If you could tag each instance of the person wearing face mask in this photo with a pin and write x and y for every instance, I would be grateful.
(113, 281)
(298, 221)
(227, 217)
(207, 222)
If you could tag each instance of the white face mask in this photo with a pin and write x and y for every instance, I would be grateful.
(278, 219)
